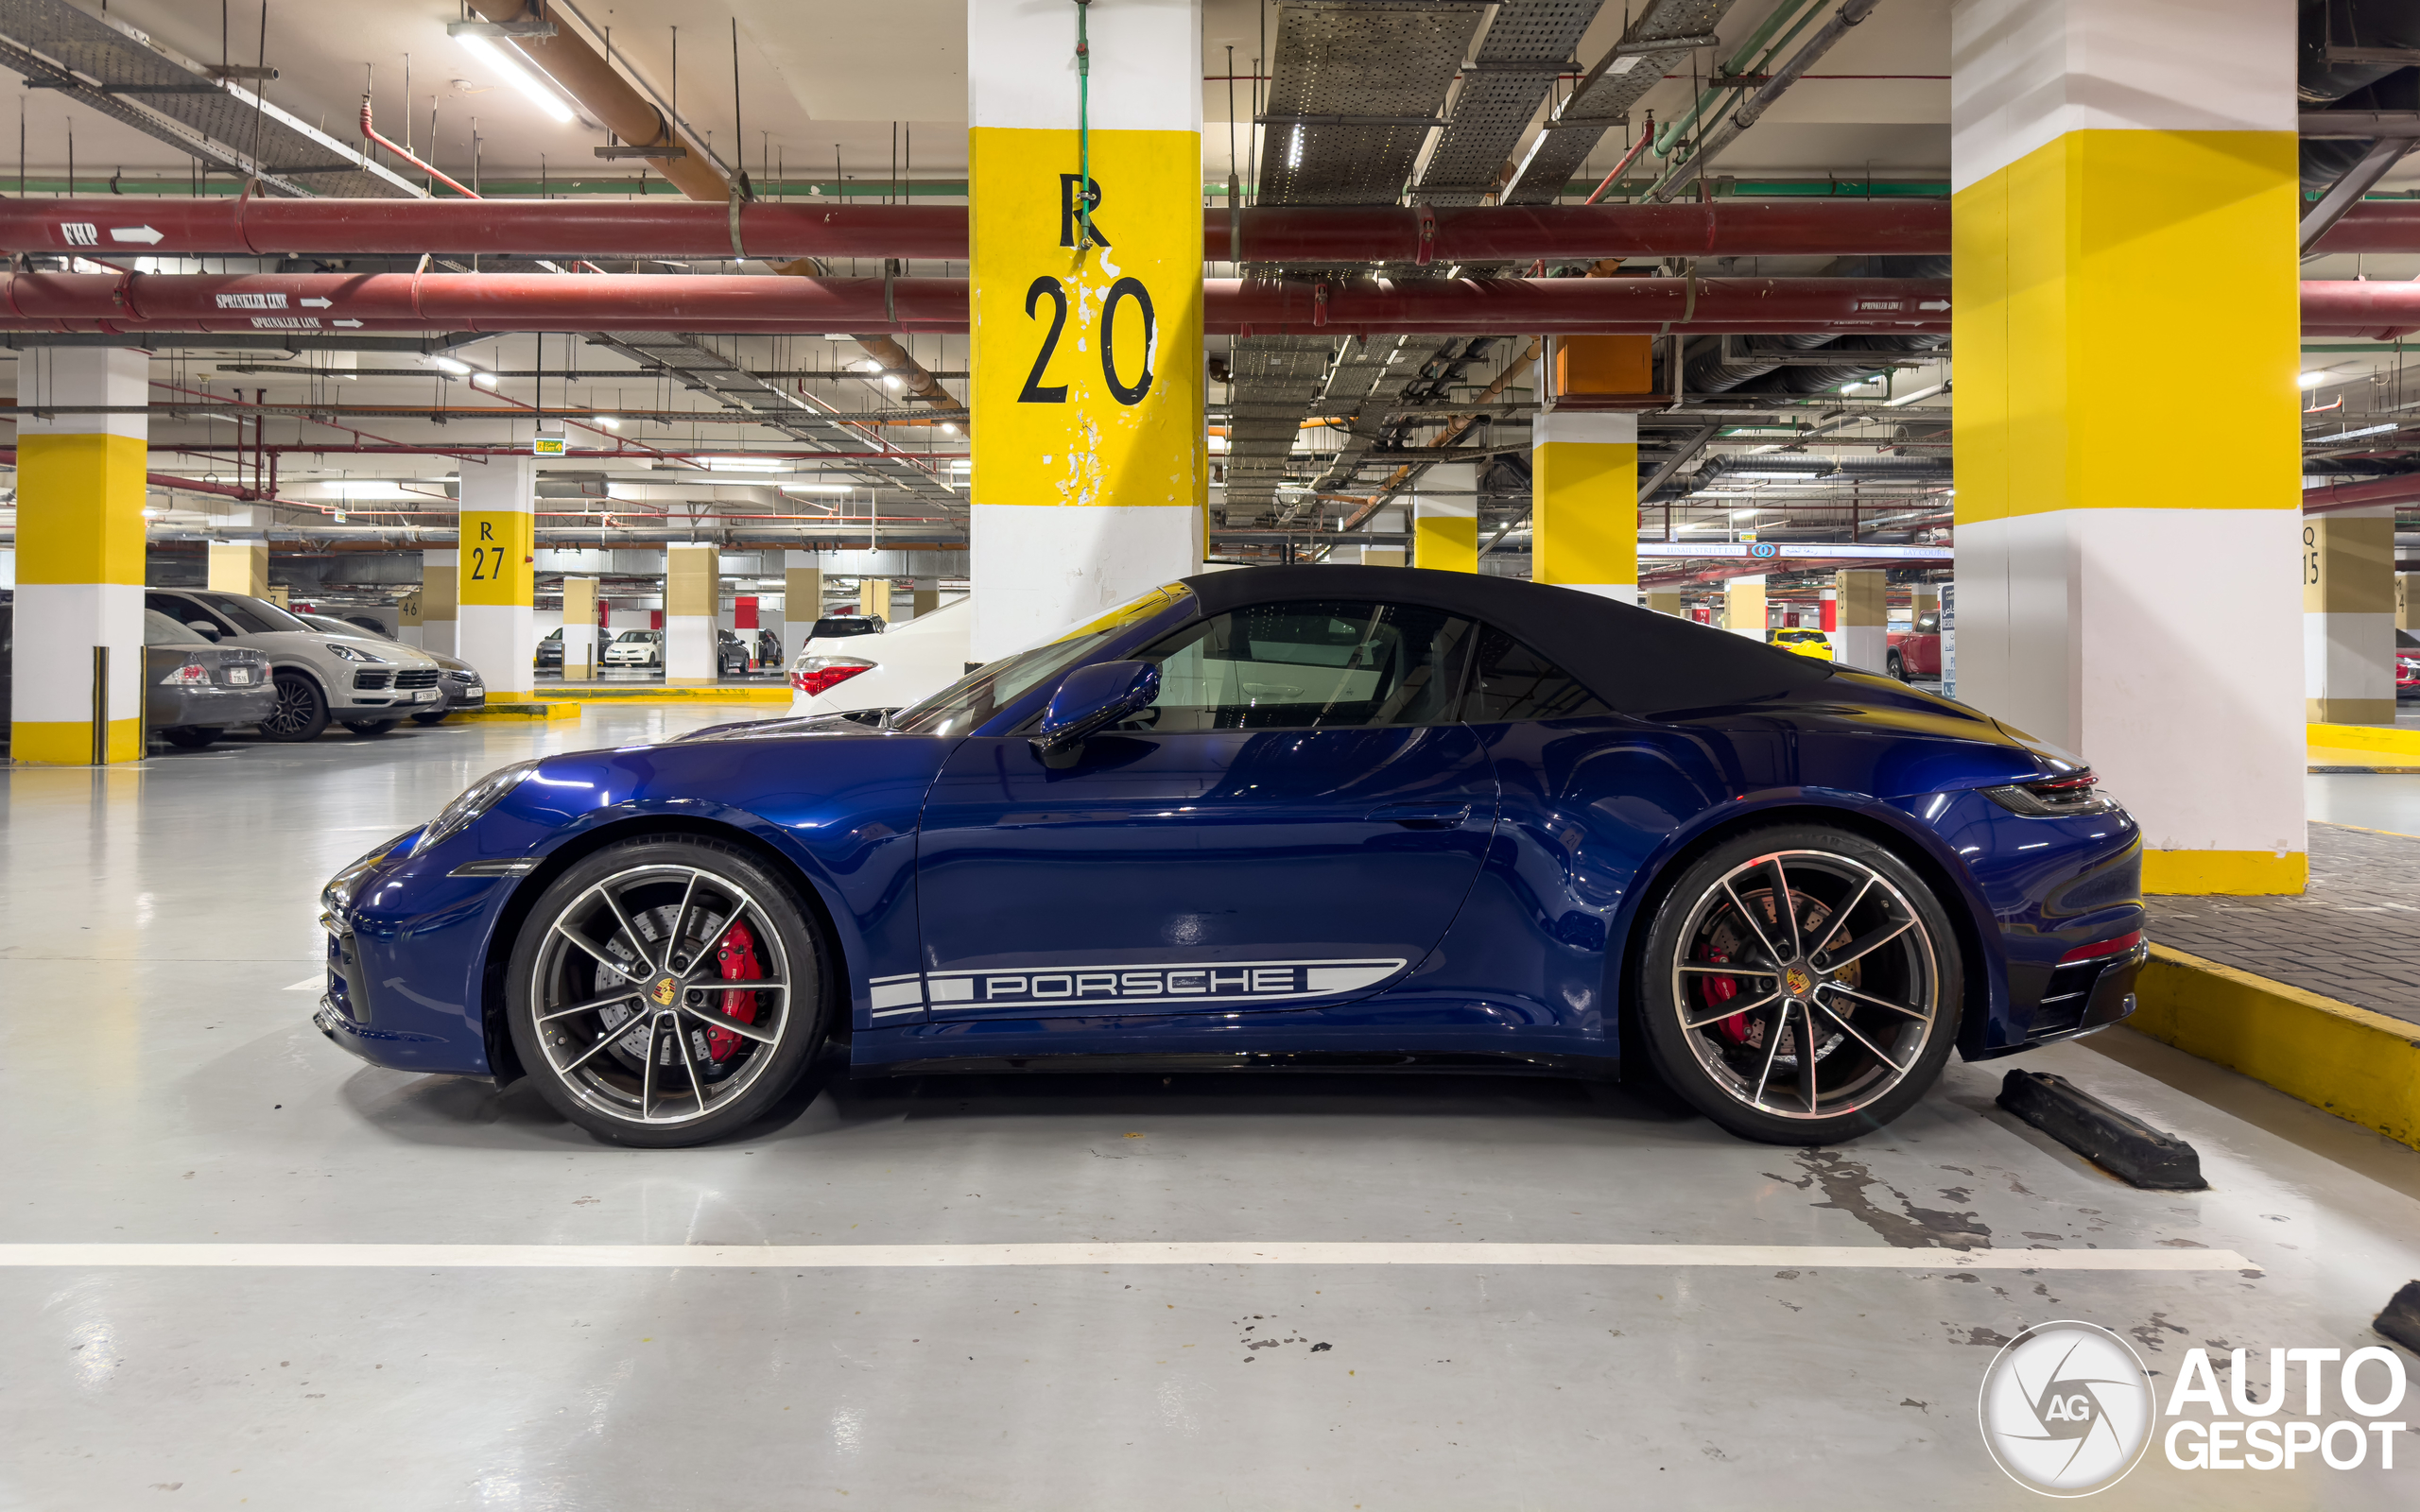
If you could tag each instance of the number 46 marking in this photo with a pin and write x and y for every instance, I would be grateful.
(1038, 392)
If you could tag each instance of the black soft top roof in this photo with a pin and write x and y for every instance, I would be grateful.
(1638, 660)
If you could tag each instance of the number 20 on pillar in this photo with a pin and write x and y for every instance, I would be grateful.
(1087, 383)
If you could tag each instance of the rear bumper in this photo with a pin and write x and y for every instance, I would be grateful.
(209, 707)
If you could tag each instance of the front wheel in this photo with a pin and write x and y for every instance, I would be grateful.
(666, 991)
(301, 713)
(371, 727)
(1896, 665)
(192, 737)
(1800, 985)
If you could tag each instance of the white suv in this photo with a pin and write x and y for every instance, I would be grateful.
(362, 682)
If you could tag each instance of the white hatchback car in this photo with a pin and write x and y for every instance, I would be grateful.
(635, 648)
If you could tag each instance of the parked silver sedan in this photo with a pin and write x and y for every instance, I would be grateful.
(366, 684)
(194, 692)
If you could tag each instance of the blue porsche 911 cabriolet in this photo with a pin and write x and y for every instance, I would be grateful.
(1291, 816)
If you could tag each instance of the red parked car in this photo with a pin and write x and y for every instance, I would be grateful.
(1915, 652)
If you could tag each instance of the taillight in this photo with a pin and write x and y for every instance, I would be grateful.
(2054, 797)
(192, 675)
(815, 674)
(2106, 948)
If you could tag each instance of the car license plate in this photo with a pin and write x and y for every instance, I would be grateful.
(424, 695)
(239, 677)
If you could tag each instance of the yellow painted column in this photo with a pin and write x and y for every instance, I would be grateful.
(1584, 501)
(1444, 518)
(874, 597)
(1663, 601)
(802, 599)
(2117, 176)
(1743, 606)
(1091, 476)
(692, 594)
(498, 625)
(78, 673)
(2348, 616)
(440, 599)
(2406, 601)
(239, 567)
(1862, 637)
(580, 628)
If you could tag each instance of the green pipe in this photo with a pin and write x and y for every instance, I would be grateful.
(1737, 64)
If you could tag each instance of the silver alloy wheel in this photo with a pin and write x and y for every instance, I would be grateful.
(1812, 1010)
(632, 1010)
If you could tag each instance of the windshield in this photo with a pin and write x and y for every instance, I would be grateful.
(255, 617)
(158, 629)
(973, 699)
(637, 635)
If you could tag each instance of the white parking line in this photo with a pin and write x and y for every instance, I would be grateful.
(309, 984)
(1237, 1252)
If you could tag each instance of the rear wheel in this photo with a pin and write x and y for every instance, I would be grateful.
(192, 737)
(1800, 985)
(371, 727)
(301, 713)
(666, 991)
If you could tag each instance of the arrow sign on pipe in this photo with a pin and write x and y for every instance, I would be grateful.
(345, 322)
(321, 304)
(135, 233)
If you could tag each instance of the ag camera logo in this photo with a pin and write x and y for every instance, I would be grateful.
(2067, 1409)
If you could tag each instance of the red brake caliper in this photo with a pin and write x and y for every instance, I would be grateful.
(1722, 989)
(737, 959)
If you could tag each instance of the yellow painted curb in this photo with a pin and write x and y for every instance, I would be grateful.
(520, 711)
(654, 693)
(2356, 1063)
(2392, 740)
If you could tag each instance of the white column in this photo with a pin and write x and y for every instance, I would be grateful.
(499, 629)
(1392, 521)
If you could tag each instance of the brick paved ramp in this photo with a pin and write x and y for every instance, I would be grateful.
(2354, 936)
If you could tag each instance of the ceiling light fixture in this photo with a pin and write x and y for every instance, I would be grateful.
(2310, 380)
(819, 488)
(610, 422)
(516, 74)
(451, 364)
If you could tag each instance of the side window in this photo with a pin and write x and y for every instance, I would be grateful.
(183, 610)
(1511, 682)
(1322, 665)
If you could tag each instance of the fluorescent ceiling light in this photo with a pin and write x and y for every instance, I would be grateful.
(360, 489)
(866, 365)
(817, 487)
(893, 381)
(1909, 399)
(744, 464)
(450, 365)
(485, 380)
(1294, 149)
(516, 74)
(949, 428)
(609, 423)
(2310, 380)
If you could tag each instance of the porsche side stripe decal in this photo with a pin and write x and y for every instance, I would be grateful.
(1183, 983)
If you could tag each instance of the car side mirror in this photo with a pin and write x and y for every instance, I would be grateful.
(203, 628)
(1089, 700)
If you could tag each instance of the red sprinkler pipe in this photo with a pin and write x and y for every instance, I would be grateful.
(512, 301)
(1310, 234)
(370, 133)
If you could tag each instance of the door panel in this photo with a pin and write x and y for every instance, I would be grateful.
(1201, 872)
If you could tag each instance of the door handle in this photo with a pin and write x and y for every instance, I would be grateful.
(1421, 816)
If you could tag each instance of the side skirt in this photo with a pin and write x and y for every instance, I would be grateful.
(1514, 1063)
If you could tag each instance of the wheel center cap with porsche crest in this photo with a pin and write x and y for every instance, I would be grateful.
(664, 991)
(1798, 980)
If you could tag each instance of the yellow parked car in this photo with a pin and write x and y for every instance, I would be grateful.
(1804, 642)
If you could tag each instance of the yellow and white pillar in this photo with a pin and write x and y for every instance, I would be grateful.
(692, 593)
(239, 567)
(580, 628)
(1863, 638)
(439, 600)
(1584, 501)
(1444, 518)
(802, 599)
(874, 597)
(1091, 474)
(2406, 602)
(2348, 616)
(1663, 601)
(77, 697)
(1395, 522)
(497, 555)
(408, 628)
(2121, 170)
(1743, 606)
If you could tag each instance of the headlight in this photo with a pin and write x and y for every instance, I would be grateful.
(475, 799)
(353, 653)
(2054, 797)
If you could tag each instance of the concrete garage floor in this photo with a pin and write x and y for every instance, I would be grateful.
(165, 1086)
